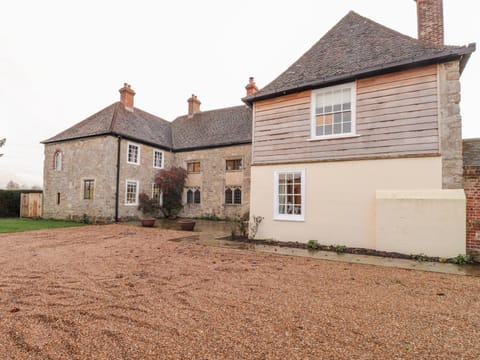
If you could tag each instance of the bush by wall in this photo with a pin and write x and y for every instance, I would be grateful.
(10, 202)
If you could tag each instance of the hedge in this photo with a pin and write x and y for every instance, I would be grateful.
(10, 202)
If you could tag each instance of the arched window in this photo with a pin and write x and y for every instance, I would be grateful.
(57, 161)
(197, 197)
(237, 196)
(233, 195)
(190, 197)
(228, 196)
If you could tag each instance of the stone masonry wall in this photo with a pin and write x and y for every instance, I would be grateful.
(90, 158)
(472, 193)
(213, 179)
(450, 125)
(144, 173)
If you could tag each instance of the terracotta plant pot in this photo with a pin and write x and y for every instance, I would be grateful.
(187, 225)
(148, 222)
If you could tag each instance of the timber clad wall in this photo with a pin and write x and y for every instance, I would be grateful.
(396, 115)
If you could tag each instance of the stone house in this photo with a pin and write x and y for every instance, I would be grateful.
(358, 143)
(98, 167)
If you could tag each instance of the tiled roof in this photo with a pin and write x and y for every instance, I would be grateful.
(220, 127)
(471, 152)
(354, 47)
(115, 119)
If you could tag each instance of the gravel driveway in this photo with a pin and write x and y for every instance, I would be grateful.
(124, 292)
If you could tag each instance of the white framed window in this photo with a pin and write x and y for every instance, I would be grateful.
(157, 194)
(57, 161)
(133, 153)
(157, 159)
(333, 112)
(289, 195)
(131, 192)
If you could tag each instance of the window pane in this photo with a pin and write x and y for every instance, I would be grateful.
(347, 116)
(337, 118)
(328, 129)
(328, 109)
(320, 120)
(319, 130)
(197, 197)
(319, 104)
(237, 196)
(347, 127)
(337, 128)
(228, 196)
(189, 197)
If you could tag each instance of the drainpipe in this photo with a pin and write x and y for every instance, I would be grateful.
(117, 198)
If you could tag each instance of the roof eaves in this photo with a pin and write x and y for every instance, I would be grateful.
(451, 54)
(204, 147)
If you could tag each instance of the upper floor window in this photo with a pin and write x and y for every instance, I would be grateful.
(193, 167)
(131, 192)
(333, 111)
(158, 159)
(88, 187)
(57, 161)
(233, 164)
(133, 154)
(289, 195)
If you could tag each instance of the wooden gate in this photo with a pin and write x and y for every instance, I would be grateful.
(31, 205)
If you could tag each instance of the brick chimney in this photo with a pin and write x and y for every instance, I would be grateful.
(430, 22)
(193, 105)
(126, 96)
(251, 87)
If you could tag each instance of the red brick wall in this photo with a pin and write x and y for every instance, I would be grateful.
(471, 178)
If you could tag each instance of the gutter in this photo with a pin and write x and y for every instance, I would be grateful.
(117, 194)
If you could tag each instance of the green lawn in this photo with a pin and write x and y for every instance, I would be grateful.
(22, 224)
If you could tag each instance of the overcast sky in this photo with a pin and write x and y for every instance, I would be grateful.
(61, 61)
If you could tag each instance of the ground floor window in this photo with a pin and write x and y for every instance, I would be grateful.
(193, 196)
(131, 192)
(88, 186)
(289, 195)
(156, 193)
(233, 195)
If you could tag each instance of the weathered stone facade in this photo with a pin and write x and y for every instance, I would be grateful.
(95, 159)
(450, 126)
(82, 159)
(213, 179)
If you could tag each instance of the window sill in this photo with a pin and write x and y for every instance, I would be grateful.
(294, 219)
(131, 204)
(132, 163)
(232, 204)
(329, 137)
(158, 167)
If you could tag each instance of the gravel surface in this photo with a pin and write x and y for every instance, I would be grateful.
(123, 292)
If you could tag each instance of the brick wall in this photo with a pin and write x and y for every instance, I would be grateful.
(471, 180)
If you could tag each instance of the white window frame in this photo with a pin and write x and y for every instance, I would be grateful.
(160, 197)
(353, 108)
(155, 151)
(137, 187)
(288, 217)
(138, 153)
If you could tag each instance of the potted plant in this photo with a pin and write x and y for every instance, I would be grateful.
(149, 207)
(186, 224)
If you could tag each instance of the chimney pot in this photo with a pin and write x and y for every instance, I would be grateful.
(430, 22)
(193, 105)
(251, 87)
(126, 96)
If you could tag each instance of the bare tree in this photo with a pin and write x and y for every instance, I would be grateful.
(2, 142)
(12, 185)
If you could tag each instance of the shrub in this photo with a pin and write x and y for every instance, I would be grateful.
(461, 259)
(172, 183)
(313, 244)
(147, 205)
(340, 249)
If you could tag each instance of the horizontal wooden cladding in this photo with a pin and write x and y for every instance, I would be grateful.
(396, 115)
